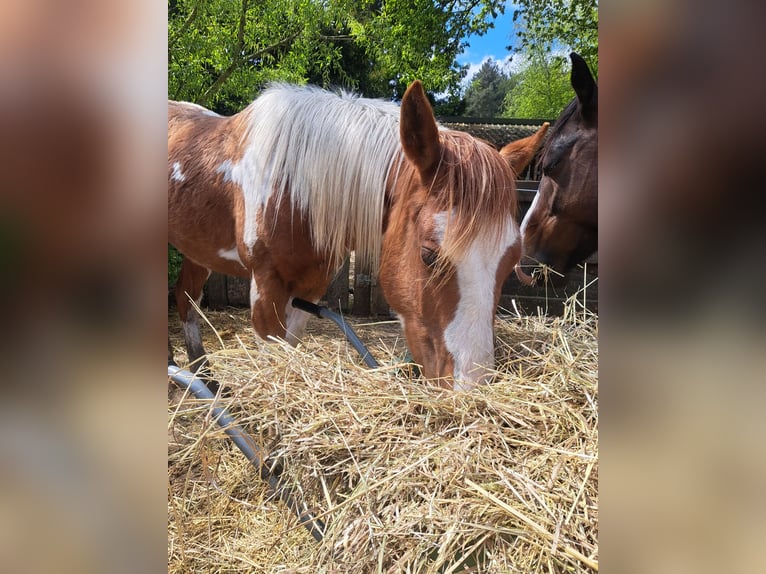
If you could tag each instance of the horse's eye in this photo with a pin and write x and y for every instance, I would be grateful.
(549, 167)
(429, 256)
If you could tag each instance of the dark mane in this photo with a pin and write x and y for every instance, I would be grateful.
(563, 118)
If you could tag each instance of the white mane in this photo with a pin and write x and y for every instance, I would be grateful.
(334, 153)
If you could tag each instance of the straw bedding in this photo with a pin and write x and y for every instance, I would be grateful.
(407, 477)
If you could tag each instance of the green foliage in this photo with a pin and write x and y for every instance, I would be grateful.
(450, 105)
(559, 25)
(484, 97)
(548, 30)
(420, 39)
(542, 91)
(221, 52)
(174, 264)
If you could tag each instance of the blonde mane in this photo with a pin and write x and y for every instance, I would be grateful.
(332, 153)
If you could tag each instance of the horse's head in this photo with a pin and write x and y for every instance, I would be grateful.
(450, 241)
(560, 228)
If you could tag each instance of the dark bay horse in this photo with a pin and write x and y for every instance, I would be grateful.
(560, 228)
(281, 191)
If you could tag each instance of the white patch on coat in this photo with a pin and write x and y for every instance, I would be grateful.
(230, 254)
(469, 337)
(252, 176)
(225, 168)
(177, 173)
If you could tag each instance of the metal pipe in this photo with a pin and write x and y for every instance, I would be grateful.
(348, 332)
(254, 453)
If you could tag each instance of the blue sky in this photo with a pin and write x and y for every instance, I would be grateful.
(492, 44)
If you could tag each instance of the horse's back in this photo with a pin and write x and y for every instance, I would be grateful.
(202, 205)
(178, 110)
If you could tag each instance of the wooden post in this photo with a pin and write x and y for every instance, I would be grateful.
(238, 291)
(362, 290)
(379, 304)
(215, 288)
(337, 292)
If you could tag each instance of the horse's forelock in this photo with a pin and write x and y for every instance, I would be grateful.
(476, 186)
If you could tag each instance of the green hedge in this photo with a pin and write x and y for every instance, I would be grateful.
(174, 264)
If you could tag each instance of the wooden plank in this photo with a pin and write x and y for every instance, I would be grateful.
(362, 290)
(238, 291)
(338, 291)
(216, 292)
(379, 305)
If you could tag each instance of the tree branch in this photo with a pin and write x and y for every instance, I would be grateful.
(342, 37)
(236, 59)
(184, 27)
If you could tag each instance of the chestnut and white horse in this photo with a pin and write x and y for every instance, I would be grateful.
(281, 191)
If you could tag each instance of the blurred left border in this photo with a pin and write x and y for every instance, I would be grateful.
(83, 286)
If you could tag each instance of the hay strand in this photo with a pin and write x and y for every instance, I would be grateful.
(408, 477)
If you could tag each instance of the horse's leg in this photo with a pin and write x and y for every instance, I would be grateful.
(296, 321)
(271, 309)
(191, 280)
(268, 303)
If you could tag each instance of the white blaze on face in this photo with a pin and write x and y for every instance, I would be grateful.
(528, 215)
(254, 295)
(470, 335)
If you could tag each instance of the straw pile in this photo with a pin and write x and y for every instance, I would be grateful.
(407, 477)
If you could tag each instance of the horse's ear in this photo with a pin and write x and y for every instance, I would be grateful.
(419, 132)
(519, 153)
(584, 86)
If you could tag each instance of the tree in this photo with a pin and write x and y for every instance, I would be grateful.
(548, 30)
(448, 105)
(558, 25)
(542, 89)
(484, 96)
(221, 52)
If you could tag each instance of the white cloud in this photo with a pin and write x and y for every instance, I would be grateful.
(510, 64)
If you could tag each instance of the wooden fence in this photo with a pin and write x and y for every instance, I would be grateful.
(355, 292)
